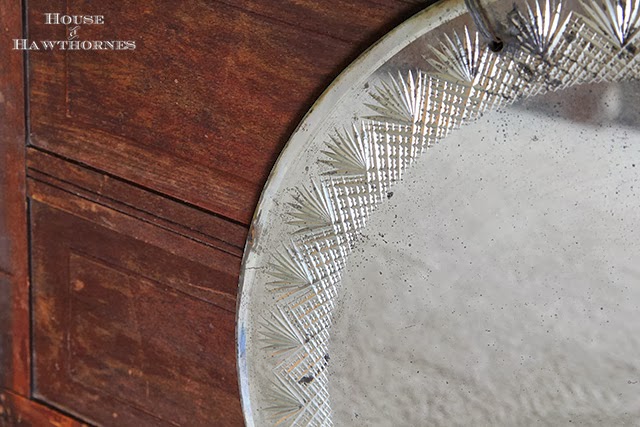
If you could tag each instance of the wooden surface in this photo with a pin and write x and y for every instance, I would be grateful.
(129, 332)
(18, 411)
(144, 168)
(201, 109)
(14, 282)
(129, 198)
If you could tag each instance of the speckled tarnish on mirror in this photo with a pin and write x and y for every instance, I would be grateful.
(499, 284)
(332, 318)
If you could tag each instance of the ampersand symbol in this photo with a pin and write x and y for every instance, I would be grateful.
(73, 32)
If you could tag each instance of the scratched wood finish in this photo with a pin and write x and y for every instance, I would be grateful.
(135, 201)
(18, 411)
(200, 110)
(14, 284)
(144, 170)
(127, 333)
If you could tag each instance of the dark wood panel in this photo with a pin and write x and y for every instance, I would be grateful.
(128, 333)
(128, 198)
(17, 411)
(6, 312)
(200, 110)
(186, 263)
(14, 289)
(375, 18)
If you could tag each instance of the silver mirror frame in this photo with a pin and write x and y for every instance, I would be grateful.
(424, 80)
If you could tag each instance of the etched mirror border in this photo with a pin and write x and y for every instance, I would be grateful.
(550, 45)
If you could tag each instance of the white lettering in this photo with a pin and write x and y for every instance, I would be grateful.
(51, 18)
(49, 44)
(19, 44)
(57, 19)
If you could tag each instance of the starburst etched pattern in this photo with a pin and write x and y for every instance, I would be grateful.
(347, 153)
(459, 56)
(539, 29)
(616, 18)
(411, 112)
(313, 208)
(401, 99)
(279, 335)
(290, 272)
(286, 402)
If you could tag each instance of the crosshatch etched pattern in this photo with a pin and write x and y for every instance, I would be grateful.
(554, 49)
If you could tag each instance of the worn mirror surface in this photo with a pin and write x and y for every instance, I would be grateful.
(451, 235)
(499, 284)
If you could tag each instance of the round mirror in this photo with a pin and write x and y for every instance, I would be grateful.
(450, 236)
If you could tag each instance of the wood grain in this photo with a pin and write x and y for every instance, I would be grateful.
(17, 411)
(127, 333)
(135, 201)
(201, 109)
(187, 263)
(144, 171)
(14, 283)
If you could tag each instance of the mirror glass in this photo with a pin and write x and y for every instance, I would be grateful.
(498, 285)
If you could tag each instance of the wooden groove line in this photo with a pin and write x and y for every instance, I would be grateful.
(133, 184)
(284, 22)
(86, 194)
(146, 221)
(122, 270)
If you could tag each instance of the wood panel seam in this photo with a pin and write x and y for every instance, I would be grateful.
(38, 407)
(78, 253)
(281, 21)
(131, 183)
(109, 191)
(146, 221)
